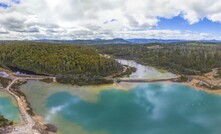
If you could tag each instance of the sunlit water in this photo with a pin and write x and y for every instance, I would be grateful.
(145, 72)
(8, 107)
(154, 108)
(126, 108)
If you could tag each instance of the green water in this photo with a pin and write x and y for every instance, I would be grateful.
(8, 107)
(154, 108)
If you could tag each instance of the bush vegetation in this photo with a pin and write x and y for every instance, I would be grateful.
(182, 58)
(82, 79)
(58, 59)
(4, 82)
(53, 59)
(4, 122)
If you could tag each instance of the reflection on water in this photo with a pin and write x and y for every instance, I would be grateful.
(146, 72)
(159, 108)
(127, 108)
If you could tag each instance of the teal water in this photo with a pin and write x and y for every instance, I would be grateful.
(154, 108)
(8, 108)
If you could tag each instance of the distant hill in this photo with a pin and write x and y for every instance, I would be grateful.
(143, 41)
(95, 41)
(126, 41)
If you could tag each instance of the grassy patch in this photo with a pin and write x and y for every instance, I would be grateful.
(163, 71)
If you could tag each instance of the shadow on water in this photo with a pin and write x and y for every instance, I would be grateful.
(23, 71)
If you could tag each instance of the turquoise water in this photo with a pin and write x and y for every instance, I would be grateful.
(154, 108)
(8, 107)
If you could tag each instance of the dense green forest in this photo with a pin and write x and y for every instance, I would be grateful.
(53, 59)
(57, 59)
(81, 64)
(183, 58)
(4, 122)
(82, 79)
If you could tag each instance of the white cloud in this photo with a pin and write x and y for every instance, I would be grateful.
(70, 19)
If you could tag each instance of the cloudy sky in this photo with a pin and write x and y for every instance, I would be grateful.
(89, 19)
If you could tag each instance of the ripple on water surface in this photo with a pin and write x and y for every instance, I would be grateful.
(159, 108)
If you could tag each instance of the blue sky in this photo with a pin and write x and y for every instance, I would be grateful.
(4, 5)
(84, 19)
(16, 1)
(178, 23)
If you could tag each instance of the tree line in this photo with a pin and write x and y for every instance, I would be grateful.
(56, 59)
(183, 58)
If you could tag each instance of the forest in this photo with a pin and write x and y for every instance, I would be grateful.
(56, 59)
(82, 79)
(84, 64)
(182, 58)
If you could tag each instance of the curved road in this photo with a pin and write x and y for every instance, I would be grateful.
(29, 123)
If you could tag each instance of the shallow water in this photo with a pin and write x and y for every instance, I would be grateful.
(153, 108)
(8, 107)
(127, 108)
